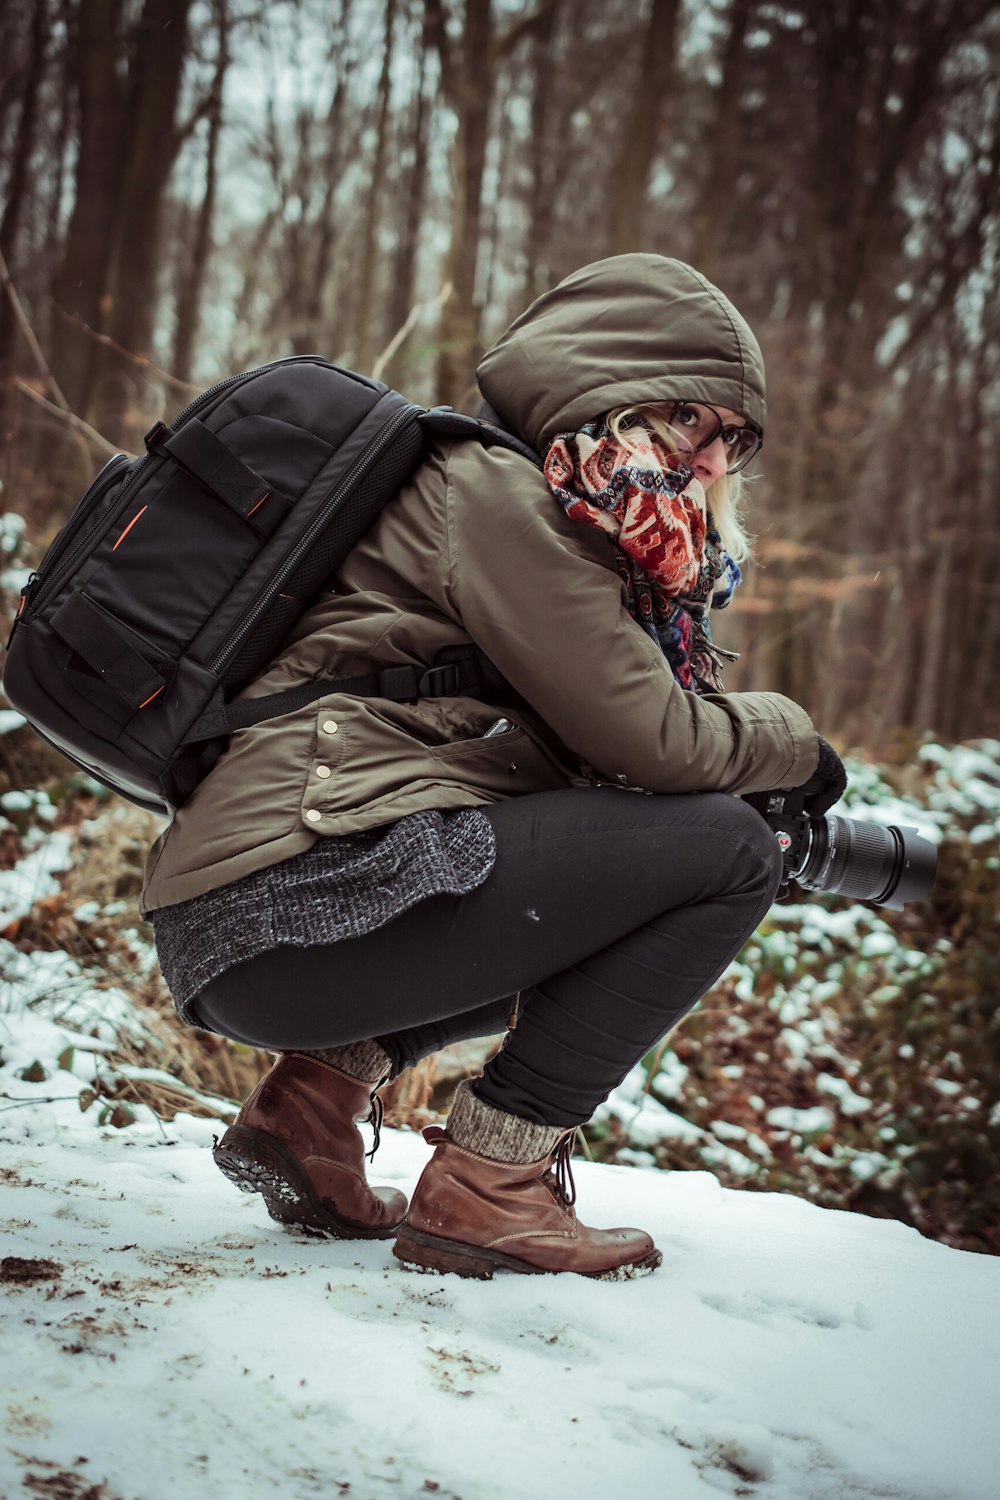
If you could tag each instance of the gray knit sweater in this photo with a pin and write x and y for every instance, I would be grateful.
(341, 887)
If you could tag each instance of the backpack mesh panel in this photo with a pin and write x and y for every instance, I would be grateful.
(359, 509)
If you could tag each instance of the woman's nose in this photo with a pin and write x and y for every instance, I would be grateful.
(711, 463)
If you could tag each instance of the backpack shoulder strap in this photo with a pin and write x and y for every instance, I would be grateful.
(455, 424)
(457, 669)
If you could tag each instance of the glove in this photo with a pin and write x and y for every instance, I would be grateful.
(828, 782)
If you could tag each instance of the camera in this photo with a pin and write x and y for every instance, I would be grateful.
(886, 865)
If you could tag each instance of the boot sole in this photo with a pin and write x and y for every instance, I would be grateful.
(257, 1162)
(433, 1254)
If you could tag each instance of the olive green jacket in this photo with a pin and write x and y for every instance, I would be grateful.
(476, 549)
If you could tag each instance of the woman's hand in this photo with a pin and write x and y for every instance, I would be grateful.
(828, 782)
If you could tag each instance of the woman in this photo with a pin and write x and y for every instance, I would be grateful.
(361, 883)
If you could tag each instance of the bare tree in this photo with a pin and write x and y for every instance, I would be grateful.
(412, 192)
(720, 155)
(645, 118)
(468, 77)
(192, 278)
(16, 187)
(369, 235)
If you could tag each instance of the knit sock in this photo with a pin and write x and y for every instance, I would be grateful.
(364, 1060)
(492, 1132)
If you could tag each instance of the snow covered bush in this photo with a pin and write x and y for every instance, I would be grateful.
(852, 1053)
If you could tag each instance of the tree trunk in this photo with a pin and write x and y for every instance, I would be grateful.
(363, 341)
(193, 276)
(541, 150)
(716, 196)
(81, 285)
(469, 83)
(24, 144)
(153, 143)
(493, 211)
(979, 711)
(326, 222)
(17, 182)
(643, 123)
(403, 293)
(60, 170)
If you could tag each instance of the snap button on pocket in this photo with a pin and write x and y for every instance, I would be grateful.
(330, 726)
(313, 815)
(323, 771)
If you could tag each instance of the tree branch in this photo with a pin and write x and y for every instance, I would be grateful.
(81, 427)
(29, 334)
(404, 332)
(141, 361)
(505, 44)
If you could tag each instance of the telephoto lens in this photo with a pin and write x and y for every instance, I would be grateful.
(867, 861)
(886, 865)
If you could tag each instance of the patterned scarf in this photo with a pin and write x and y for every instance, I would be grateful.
(670, 555)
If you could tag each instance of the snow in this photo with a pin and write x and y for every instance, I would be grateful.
(181, 1343)
(645, 1118)
(170, 1340)
(818, 1119)
(32, 879)
(850, 1103)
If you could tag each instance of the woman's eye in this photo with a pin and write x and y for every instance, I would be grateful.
(731, 436)
(686, 416)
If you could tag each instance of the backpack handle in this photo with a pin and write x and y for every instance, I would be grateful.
(104, 644)
(207, 459)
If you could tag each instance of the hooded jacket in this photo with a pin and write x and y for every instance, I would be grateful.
(475, 548)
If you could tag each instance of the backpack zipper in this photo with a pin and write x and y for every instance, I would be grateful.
(81, 522)
(330, 503)
(25, 591)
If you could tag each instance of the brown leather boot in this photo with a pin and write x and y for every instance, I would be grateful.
(473, 1214)
(295, 1141)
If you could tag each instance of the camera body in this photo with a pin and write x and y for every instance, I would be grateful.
(887, 865)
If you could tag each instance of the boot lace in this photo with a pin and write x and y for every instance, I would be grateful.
(375, 1116)
(565, 1186)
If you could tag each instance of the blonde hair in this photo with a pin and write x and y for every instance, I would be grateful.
(726, 495)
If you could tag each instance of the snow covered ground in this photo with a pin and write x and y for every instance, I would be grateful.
(163, 1338)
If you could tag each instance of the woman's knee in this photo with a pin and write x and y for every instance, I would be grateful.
(759, 843)
(749, 846)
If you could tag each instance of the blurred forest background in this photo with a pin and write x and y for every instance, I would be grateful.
(192, 187)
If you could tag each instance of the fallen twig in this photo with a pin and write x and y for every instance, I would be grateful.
(415, 314)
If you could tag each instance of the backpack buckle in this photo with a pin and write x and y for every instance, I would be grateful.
(449, 679)
(155, 435)
(401, 684)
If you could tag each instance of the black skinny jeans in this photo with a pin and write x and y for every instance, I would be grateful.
(610, 912)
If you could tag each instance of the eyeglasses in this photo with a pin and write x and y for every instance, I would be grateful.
(699, 425)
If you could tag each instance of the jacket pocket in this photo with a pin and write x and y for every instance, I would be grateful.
(510, 764)
(502, 741)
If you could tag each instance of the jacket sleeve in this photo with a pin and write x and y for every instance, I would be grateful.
(540, 594)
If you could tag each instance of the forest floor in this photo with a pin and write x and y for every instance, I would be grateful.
(162, 1337)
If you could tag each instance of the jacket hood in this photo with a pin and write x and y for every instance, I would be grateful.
(627, 329)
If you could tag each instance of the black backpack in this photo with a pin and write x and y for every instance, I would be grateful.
(179, 573)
